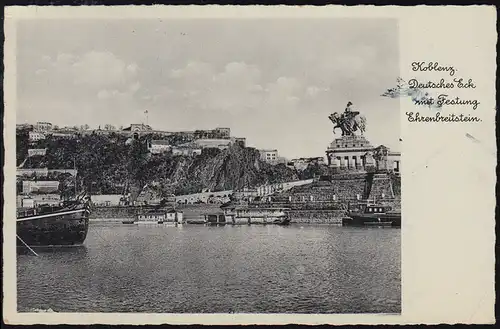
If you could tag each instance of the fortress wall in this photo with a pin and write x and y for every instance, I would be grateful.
(349, 189)
(396, 186)
(381, 187)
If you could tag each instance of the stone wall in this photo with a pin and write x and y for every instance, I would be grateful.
(317, 216)
(337, 188)
(396, 186)
(381, 187)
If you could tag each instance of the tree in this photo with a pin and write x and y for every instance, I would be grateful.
(109, 127)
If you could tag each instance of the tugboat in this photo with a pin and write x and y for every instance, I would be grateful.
(53, 225)
(282, 221)
(373, 215)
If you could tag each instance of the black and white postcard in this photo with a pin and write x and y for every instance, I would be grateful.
(249, 165)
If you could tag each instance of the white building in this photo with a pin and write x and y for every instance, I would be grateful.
(223, 132)
(221, 144)
(43, 126)
(269, 156)
(159, 146)
(33, 152)
(186, 150)
(36, 136)
(38, 199)
(40, 172)
(40, 187)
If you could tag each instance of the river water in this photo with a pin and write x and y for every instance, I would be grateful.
(207, 269)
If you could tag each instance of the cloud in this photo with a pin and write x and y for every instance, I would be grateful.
(65, 58)
(315, 91)
(237, 87)
(93, 74)
(100, 69)
(284, 87)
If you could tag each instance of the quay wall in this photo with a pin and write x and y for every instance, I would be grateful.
(316, 216)
(192, 212)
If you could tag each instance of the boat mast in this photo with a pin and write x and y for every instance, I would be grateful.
(74, 168)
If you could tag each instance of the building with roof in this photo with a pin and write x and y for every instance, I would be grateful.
(43, 126)
(159, 146)
(269, 155)
(35, 136)
(187, 150)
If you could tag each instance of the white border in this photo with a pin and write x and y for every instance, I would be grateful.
(448, 257)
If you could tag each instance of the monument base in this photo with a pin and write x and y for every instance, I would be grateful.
(347, 153)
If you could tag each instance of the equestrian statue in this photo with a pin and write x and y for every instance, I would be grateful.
(349, 122)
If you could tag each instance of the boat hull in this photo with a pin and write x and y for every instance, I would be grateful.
(387, 219)
(62, 227)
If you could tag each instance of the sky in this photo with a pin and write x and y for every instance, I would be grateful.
(273, 81)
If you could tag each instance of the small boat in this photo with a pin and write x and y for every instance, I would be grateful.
(283, 221)
(128, 221)
(373, 215)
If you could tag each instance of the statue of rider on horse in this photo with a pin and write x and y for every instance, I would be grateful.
(349, 122)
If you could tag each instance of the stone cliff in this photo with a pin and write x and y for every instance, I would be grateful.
(108, 164)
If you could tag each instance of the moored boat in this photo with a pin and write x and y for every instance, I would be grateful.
(53, 225)
(373, 215)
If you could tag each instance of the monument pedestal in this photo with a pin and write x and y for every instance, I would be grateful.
(347, 153)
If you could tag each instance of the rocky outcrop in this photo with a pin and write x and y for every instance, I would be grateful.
(107, 164)
(230, 169)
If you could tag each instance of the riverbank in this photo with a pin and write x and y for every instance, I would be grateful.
(193, 213)
(317, 216)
